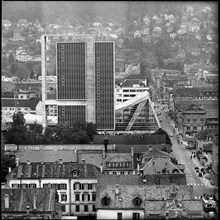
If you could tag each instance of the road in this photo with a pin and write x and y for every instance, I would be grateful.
(200, 184)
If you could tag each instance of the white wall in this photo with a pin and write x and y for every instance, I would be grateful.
(112, 214)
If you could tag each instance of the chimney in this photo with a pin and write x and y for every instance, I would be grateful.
(7, 201)
(75, 150)
(60, 161)
(9, 170)
(28, 211)
(28, 162)
(103, 154)
(105, 142)
(101, 168)
(150, 148)
(132, 151)
(34, 202)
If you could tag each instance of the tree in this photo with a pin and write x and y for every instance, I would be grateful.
(6, 162)
(11, 59)
(18, 133)
(22, 71)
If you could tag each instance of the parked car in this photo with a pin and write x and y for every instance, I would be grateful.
(171, 135)
(196, 168)
(200, 174)
(212, 182)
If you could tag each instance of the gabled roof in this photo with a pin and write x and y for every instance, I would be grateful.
(19, 199)
(53, 170)
(193, 107)
(31, 103)
(145, 192)
(156, 165)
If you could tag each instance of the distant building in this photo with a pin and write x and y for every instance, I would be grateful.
(22, 23)
(30, 203)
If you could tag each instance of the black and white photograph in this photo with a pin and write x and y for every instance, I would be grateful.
(109, 110)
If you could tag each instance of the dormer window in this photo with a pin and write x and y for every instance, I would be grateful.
(137, 201)
(75, 173)
(105, 201)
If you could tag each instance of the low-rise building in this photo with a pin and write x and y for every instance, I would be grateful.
(75, 183)
(40, 203)
(131, 197)
(6, 23)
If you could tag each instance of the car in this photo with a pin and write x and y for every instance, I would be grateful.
(171, 135)
(212, 182)
(196, 168)
(200, 174)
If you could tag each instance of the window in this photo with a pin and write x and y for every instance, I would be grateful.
(26, 109)
(83, 197)
(137, 201)
(82, 186)
(105, 201)
(194, 128)
(77, 197)
(114, 172)
(24, 186)
(93, 208)
(63, 186)
(136, 216)
(119, 215)
(77, 208)
(187, 128)
(88, 197)
(89, 186)
(45, 185)
(63, 197)
(122, 172)
(32, 185)
(85, 208)
(63, 208)
(14, 186)
(93, 197)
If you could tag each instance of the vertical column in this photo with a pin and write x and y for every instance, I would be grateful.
(90, 82)
(44, 81)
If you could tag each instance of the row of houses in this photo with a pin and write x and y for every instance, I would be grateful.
(103, 182)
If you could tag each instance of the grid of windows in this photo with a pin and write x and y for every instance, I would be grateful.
(104, 73)
(71, 114)
(71, 70)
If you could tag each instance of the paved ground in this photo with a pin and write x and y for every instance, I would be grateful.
(200, 184)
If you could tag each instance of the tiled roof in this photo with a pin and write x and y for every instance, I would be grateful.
(155, 153)
(158, 164)
(193, 107)
(46, 156)
(5, 127)
(32, 103)
(19, 199)
(53, 170)
(97, 159)
(207, 132)
(145, 192)
(192, 204)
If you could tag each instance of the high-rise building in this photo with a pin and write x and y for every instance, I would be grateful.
(85, 83)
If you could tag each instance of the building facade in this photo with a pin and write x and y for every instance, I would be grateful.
(85, 83)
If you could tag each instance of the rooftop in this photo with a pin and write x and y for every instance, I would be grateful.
(207, 132)
(187, 92)
(53, 170)
(46, 156)
(32, 103)
(43, 198)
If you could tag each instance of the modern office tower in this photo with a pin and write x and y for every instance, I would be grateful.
(85, 83)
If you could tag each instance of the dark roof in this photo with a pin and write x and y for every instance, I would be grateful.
(53, 170)
(207, 132)
(7, 94)
(19, 199)
(32, 103)
(5, 127)
(193, 107)
(187, 92)
(208, 147)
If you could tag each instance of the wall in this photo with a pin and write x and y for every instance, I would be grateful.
(130, 139)
(112, 214)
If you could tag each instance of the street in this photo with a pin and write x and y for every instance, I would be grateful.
(200, 184)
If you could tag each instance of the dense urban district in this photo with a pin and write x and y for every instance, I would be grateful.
(109, 111)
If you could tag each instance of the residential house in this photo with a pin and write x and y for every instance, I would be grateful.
(205, 139)
(6, 23)
(23, 56)
(17, 35)
(30, 203)
(22, 23)
(131, 197)
(75, 183)
(25, 103)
